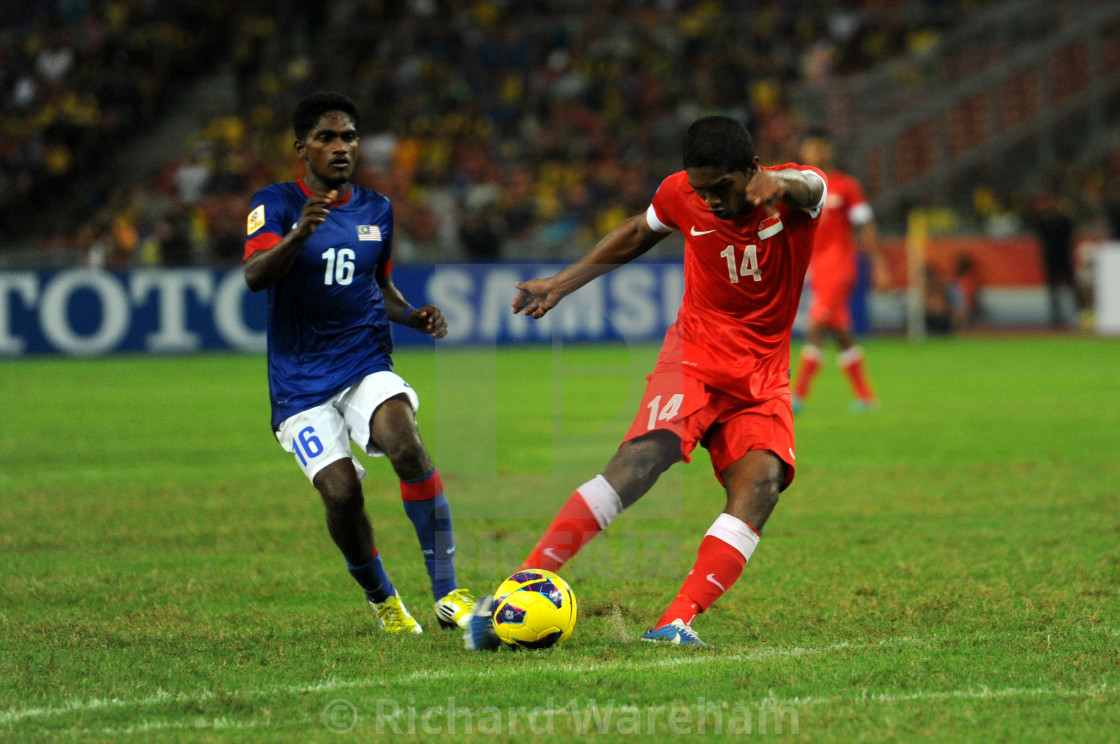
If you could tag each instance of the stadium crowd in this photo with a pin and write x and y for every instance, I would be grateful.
(500, 129)
(79, 78)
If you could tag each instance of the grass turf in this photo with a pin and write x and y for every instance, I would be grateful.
(943, 569)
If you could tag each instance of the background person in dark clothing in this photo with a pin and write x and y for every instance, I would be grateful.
(1055, 231)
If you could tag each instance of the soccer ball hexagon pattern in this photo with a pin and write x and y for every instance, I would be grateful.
(534, 608)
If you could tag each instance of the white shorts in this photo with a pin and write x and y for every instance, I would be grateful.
(321, 435)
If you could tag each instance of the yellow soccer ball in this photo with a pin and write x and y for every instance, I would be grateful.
(534, 608)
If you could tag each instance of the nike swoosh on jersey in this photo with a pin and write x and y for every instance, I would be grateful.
(694, 231)
(712, 578)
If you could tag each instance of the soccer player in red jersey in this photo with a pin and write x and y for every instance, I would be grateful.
(722, 378)
(833, 274)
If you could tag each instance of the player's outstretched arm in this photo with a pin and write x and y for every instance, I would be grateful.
(621, 245)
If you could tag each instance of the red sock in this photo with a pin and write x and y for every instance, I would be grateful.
(723, 552)
(851, 361)
(681, 608)
(806, 370)
(586, 513)
(573, 527)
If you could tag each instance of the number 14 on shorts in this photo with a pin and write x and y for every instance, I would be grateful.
(658, 413)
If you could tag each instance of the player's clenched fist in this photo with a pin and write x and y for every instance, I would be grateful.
(765, 190)
(428, 319)
(315, 211)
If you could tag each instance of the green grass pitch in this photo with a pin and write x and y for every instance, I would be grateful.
(946, 568)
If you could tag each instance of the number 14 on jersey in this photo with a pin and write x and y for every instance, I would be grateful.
(748, 267)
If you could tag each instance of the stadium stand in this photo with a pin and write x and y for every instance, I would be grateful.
(510, 129)
(78, 80)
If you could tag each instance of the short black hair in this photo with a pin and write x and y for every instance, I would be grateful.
(720, 142)
(311, 109)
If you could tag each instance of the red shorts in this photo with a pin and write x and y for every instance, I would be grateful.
(728, 427)
(829, 305)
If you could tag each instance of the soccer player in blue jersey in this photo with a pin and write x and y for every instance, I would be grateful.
(321, 247)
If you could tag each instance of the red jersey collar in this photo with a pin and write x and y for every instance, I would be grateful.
(308, 192)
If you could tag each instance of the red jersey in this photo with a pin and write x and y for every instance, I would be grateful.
(846, 207)
(742, 285)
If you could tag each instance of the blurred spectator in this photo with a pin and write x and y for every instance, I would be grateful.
(519, 206)
(191, 177)
(55, 58)
(249, 50)
(938, 303)
(1055, 231)
(225, 230)
(964, 293)
(479, 235)
(113, 241)
(173, 233)
(1111, 198)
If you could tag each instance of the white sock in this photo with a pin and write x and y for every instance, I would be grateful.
(601, 498)
(736, 533)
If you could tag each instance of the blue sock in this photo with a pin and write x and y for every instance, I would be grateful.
(372, 577)
(431, 517)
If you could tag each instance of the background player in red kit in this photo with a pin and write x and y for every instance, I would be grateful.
(834, 272)
(722, 377)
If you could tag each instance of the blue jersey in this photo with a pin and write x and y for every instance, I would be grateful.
(327, 324)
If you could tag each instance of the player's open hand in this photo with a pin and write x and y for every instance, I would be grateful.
(315, 212)
(536, 297)
(765, 190)
(428, 319)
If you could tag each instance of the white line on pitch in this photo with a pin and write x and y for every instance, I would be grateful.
(194, 724)
(543, 666)
(979, 693)
(599, 717)
(163, 697)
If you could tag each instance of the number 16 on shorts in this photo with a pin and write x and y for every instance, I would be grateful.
(306, 445)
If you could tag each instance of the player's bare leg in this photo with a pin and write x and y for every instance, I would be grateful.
(352, 532)
(629, 475)
(809, 365)
(347, 520)
(816, 334)
(393, 431)
(638, 464)
(753, 484)
(851, 362)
